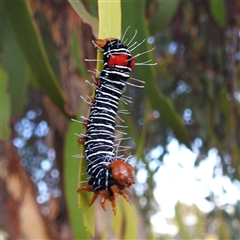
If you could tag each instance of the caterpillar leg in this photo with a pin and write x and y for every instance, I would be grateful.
(89, 188)
(81, 141)
(95, 195)
(85, 123)
(123, 193)
(96, 81)
(105, 195)
(116, 190)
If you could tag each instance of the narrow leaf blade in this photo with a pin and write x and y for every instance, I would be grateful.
(71, 166)
(85, 16)
(35, 54)
(148, 73)
(4, 106)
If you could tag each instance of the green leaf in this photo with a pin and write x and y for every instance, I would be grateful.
(84, 198)
(5, 131)
(76, 53)
(218, 11)
(71, 185)
(15, 65)
(49, 44)
(148, 73)
(110, 16)
(200, 223)
(224, 103)
(118, 220)
(124, 224)
(165, 14)
(85, 16)
(81, 177)
(130, 220)
(109, 19)
(178, 216)
(35, 54)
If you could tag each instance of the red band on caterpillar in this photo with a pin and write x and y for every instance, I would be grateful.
(121, 60)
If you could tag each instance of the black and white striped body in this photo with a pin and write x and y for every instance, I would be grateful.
(99, 141)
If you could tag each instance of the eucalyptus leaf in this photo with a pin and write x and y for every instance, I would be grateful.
(164, 15)
(14, 63)
(85, 16)
(148, 73)
(5, 107)
(71, 181)
(32, 46)
(218, 11)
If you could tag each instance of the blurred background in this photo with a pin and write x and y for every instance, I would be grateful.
(184, 126)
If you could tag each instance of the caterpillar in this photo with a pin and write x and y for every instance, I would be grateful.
(109, 176)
